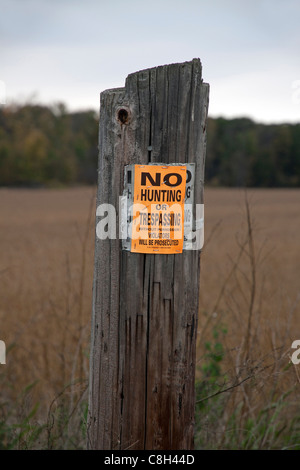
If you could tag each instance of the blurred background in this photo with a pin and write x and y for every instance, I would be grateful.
(55, 58)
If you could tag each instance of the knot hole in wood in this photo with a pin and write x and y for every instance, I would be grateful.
(123, 116)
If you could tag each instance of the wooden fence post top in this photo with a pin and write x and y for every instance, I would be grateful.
(196, 62)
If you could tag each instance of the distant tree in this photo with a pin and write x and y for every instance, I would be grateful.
(47, 146)
(242, 153)
(50, 146)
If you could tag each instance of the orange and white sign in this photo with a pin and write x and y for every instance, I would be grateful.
(158, 209)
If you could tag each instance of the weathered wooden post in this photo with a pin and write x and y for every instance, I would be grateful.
(145, 304)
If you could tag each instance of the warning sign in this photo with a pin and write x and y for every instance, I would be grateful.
(158, 209)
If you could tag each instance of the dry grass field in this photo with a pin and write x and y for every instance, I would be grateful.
(249, 316)
(267, 267)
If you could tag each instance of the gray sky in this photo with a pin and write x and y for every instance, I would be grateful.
(71, 50)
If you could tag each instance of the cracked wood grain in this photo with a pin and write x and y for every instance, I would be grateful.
(145, 307)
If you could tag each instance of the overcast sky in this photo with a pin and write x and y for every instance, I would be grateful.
(71, 50)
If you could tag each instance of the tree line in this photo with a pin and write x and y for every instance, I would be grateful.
(49, 146)
(243, 153)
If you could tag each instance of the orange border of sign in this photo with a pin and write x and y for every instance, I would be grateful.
(158, 209)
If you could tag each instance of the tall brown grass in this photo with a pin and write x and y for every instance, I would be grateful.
(46, 262)
(247, 390)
